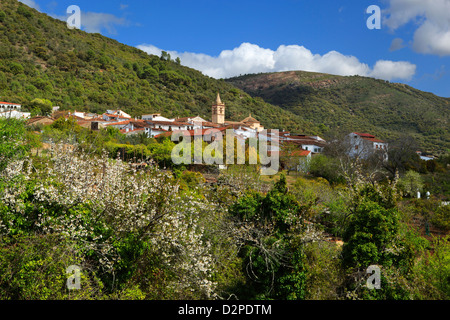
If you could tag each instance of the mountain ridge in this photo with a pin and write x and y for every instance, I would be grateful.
(356, 103)
(41, 58)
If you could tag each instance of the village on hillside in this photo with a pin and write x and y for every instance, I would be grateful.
(156, 125)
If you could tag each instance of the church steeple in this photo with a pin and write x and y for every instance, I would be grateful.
(218, 101)
(218, 111)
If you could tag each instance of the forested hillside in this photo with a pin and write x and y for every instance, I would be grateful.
(41, 58)
(356, 104)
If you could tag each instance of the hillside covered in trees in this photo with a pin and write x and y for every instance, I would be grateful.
(41, 58)
(356, 104)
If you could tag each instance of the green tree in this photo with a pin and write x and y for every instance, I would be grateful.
(273, 260)
(326, 167)
(41, 106)
(162, 152)
(375, 236)
(24, 11)
(411, 183)
(2, 15)
(12, 141)
(370, 235)
(16, 68)
(165, 56)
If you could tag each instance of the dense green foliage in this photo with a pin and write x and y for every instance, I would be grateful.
(152, 234)
(274, 258)
(40, 58)
(356, 104)
(13, 134)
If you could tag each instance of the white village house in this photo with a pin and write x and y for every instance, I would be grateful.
(363, 145)
(13, 110)
(8, 106)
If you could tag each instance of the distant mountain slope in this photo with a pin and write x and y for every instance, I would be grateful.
(41, 58)
(356, 103)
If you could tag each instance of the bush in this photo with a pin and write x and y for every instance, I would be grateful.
(2, 15)
(13, 143)
(34, 268)
(372, 230)
(273, 260)
(16, 68)
(41, 106)
(24, 11)
(441, 217)
(325, 167)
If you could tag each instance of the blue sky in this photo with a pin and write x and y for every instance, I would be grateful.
(224, 38)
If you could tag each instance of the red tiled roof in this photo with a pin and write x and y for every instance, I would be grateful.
(210, 124)
(206, 131)
(250, 119)
(16, 104)
(184, 119)
(365, 135)
(300, 153)
(368, 137)
(118, 123)
(164, 134)
(38, 118)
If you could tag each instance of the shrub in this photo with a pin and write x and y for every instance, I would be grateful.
(34, 268)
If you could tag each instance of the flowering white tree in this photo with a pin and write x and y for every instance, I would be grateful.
(96, 201)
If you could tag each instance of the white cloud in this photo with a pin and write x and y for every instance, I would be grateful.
(30, 3)
(389, 70)
(432, 17)
(250, 58)
(94, 22)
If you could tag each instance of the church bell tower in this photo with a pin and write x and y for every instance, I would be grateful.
(218, 111)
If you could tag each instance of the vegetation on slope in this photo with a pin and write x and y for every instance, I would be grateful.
(356, 104)
(41, 58)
